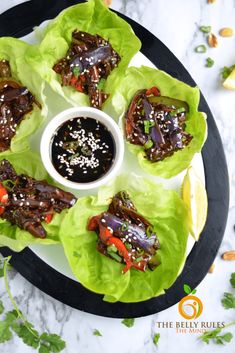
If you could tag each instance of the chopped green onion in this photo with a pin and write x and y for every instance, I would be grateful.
(209, 62)
(177, 111)
(76, 71)
(149, 231)
(124, 226)
(128, 246)
(115, 256)
(8, 184)
(148, 144)
(70, 145)
(139, 101)
(147, 125)
(71, 158)
(101, 84)
(200, 48)
(86, 151)
(111, 248)
(139, 259)
(205, 29)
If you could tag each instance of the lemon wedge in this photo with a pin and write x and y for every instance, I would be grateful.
(230, 81)
(195, 197)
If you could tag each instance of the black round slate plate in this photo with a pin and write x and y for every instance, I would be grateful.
(20, 21)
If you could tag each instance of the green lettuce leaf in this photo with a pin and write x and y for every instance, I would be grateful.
(93, 17)
(14, 50)
(143, 78)
(11, 235)
(163, 208)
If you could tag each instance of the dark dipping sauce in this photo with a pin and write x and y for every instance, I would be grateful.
(82, 150)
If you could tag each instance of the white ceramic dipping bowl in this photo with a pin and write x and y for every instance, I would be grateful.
(78, 112)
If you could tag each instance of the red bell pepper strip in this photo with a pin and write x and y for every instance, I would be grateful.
(48, 218)
(153, 90)
(94, 222)
(79, 87)
(82, 78)
(3, 198)
(73, 80)
(109, 239)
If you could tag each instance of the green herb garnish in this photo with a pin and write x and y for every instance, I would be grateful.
(200, 49)
(148, 144)
(226, 71)
(71, 158)
(232, 280)
(76, 71)
(177, 111)
(140, 258)
(147, 125)
(124, 226)
(97, 333)
(8, 184)
(156, 338)
(128, 322)
(115, 256)
(205, 29)
(215, 337)
(112, 248)
(209, 62)
(149, 231)
(15, 321)
(101, 84)
(128, 246)
(228, 301)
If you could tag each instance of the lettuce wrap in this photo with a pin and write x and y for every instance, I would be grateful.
(13, 50)
(92, 17)
(145, 78)
(165, 211)
(11, 235)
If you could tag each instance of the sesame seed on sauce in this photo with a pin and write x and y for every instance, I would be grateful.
(83, 150)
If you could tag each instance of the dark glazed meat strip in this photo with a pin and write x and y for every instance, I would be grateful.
(88, 62)
(15, 102)
(27, 202)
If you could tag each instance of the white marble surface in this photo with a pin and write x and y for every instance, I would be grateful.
(175, 22)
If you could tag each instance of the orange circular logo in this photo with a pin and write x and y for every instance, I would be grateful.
(193, 304)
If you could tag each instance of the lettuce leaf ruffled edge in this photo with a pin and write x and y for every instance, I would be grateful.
(14, 50)
(143, 78)
(165, 210)
(93, 17)
(12, 236)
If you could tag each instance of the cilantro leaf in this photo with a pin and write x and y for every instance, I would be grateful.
(206, 336)
(5, 333)
(31, 338)
(44, 349)
(228, 301)
(128, 322)
(51, 341)
(11, 316)
(97, 333)
(232, 280)
(224, 338)
(215, 337)
(1, 307)
(156, 338)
